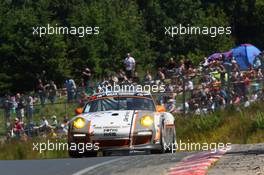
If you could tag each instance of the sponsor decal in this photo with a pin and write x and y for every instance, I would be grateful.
(125, 119)
(110, 132)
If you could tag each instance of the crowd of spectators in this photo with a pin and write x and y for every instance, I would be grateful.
(213, 85)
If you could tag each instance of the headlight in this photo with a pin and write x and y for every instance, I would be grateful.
(146, 121)
(79, 123)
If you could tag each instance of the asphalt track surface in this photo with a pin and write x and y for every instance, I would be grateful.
(134, 164)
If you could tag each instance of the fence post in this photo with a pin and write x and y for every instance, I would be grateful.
(65, 109)
(228, 67)
(183, 94)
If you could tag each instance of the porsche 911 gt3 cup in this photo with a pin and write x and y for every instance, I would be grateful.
(122, 122)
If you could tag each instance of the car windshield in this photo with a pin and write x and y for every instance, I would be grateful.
(120, 103)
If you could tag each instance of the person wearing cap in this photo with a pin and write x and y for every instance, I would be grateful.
(54, 122)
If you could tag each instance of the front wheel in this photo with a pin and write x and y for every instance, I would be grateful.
(74, 154)
(91, 154)
(162, 141)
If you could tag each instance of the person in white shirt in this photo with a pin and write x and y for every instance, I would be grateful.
(189, 85)
(130, 64)
(44, 122)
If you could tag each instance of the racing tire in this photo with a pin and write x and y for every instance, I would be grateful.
(173, 141)
(74, 154)
(162, 141)
(170, 139)
(90, 154)
(106, 153)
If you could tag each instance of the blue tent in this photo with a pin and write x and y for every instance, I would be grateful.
(245, 55)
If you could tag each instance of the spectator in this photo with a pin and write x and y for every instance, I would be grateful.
(18, 128)
(171, 65)
(257, 62)
(86, 77)
(71, 89)
(160, 75)
(54, 123)
(260, 77)
(254, 96)
(44, 125)
(246, 85)
(148, 78)
(113, 80)
(205, 63)
(136, 78)
(169, 87)
(234, 66)
(41, 92)
(130, 64)
(222, 72)
(182, 67)
(64, 125)
(20, 110)
(247, 102)
(188, 64)
(51, 89)
(236, 100)
(30, 108)
(197, 110)
(121, 76)
(171, 106)
(14, 104)
(259, 74)
(189, 85)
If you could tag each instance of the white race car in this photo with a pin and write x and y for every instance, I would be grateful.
(121, 122)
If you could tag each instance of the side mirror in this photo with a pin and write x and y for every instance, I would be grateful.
(160, 108)
(78, 111)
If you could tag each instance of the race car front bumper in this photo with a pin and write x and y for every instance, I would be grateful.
(138, 142)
